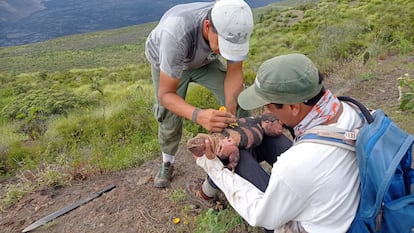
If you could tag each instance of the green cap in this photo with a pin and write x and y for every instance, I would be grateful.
(286, 79)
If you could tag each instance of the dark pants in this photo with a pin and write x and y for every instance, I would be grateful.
(249, 166)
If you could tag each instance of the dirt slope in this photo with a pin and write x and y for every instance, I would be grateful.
(133, 206)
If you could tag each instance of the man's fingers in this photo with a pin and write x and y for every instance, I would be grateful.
(215, 121)
(221, 123)
(217, 129)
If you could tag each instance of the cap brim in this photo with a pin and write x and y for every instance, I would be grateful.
(233, 51)
(249, 99)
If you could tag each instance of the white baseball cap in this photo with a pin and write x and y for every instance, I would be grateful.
(233, 20)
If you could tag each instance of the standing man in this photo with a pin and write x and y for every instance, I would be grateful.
(313, 187)
(185, 47)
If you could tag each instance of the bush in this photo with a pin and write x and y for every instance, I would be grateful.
(35, 107)
(219, 221)
(19, 156)
(406, 92)
(339, 43)
(114, 137)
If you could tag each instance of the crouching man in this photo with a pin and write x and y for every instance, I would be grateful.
(312, 187)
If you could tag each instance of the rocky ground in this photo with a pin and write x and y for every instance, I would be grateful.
(135, 206)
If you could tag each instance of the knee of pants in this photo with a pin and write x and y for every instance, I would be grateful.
(170, 130)
(251, 170)
(247, 160)
(168, 120)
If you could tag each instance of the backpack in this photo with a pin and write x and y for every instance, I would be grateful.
(384, 156)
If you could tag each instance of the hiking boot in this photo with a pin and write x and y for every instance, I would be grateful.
(164, 175)
(196, 195)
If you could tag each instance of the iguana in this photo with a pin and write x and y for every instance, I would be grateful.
(246, 134)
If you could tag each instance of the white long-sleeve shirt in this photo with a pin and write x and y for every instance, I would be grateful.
(314, 184)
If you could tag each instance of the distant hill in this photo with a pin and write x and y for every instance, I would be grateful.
(28, 21)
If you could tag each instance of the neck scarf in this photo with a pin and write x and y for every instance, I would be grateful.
(324, 110)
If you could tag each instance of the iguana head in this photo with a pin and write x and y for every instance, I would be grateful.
(197, 144)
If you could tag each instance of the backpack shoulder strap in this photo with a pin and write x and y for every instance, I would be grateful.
(367, 114)
(329, 135)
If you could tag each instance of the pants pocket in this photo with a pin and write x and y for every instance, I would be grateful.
(159, 112)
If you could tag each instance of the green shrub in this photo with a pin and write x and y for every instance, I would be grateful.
(53, 177)
(406, 92)
(14, 192)
(339, 43)
(178, 195)
(35, 107)
(120, 135)
(20, 156)
(17, 155)
(222, 221)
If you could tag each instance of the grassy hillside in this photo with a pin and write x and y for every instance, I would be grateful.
(81, 104)
(112, 48)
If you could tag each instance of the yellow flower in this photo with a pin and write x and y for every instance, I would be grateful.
(176, 220)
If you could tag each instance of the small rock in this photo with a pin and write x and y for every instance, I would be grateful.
(143, 180)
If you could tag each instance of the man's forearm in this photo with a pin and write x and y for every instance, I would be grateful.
(232, 89)
(177, 105)
(233, 85)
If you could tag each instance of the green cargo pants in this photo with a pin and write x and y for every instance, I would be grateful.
(170, 125)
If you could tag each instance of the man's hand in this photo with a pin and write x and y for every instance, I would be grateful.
(214, 120)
